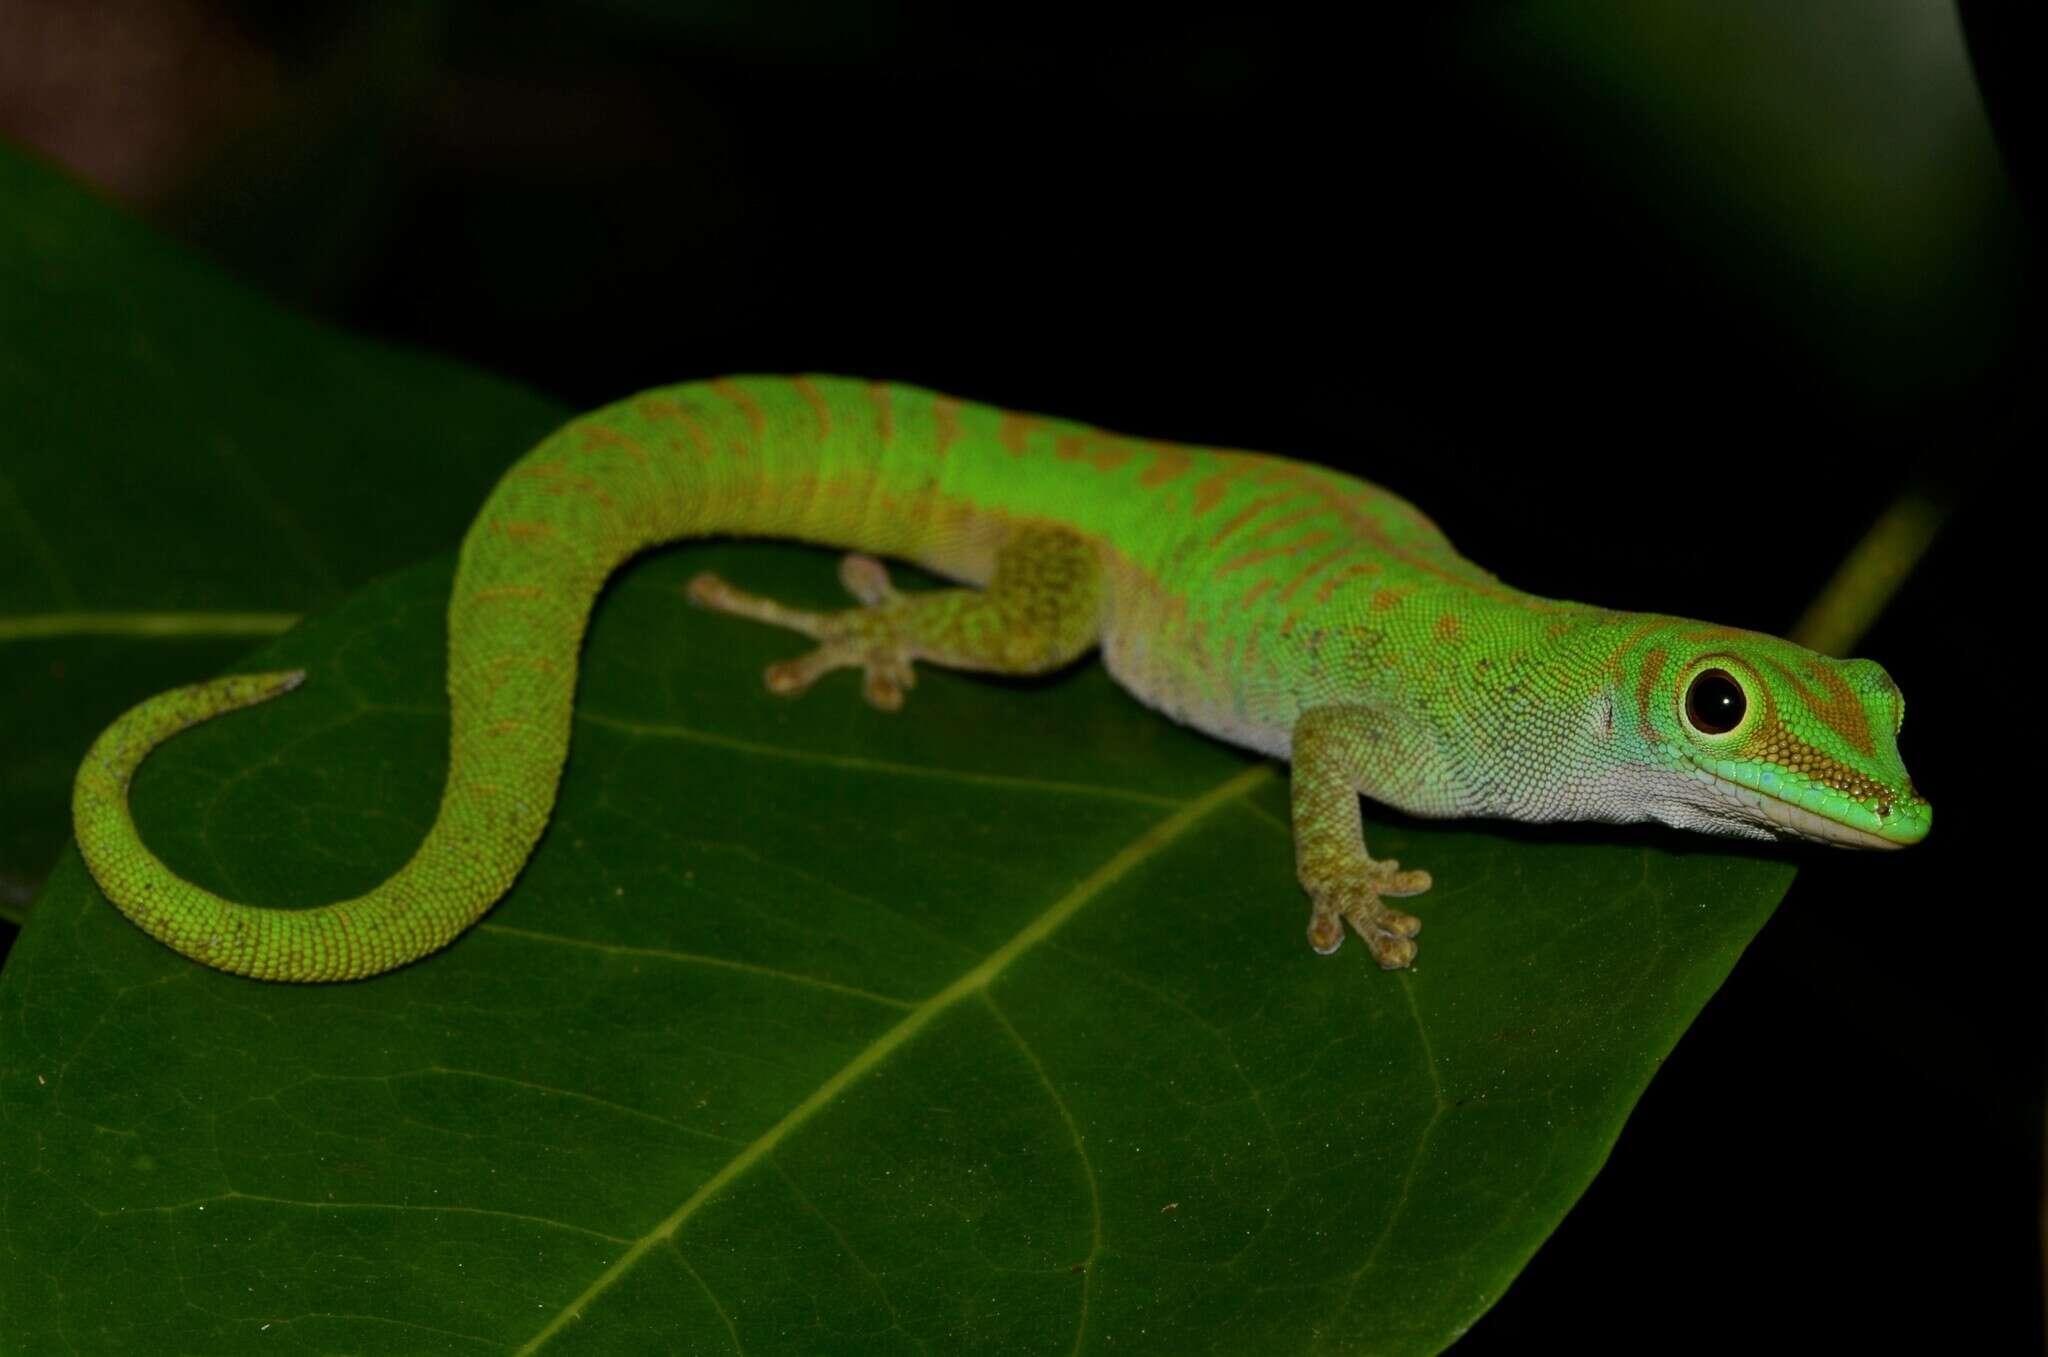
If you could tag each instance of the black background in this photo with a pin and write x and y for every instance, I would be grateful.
(1615, 366)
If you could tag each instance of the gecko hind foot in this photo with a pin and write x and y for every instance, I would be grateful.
(869, 638)
(1356, 898)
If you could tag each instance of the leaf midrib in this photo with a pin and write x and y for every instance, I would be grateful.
(974, 981)
(45, 626)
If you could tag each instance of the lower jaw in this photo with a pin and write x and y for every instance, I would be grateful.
(1796, 822)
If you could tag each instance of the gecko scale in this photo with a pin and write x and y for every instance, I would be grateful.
(1271, 603)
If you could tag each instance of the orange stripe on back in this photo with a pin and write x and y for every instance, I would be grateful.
(1099, 450)
(946, 419)
(1169, 461)
(1244, 516)
(1267, 553)
(1014, 429)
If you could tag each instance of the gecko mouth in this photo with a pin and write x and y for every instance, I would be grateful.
(1784, 820)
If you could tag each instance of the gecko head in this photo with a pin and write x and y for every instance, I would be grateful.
(1777, 741)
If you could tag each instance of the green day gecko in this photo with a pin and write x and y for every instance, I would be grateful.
(1278, 605)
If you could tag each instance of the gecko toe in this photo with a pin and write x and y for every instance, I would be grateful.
(866, 578)
(1393, 953)
(1354, 899)
(788, 678)
(707, 589)
(1395, 922)
(1405, 883)
(886, 680)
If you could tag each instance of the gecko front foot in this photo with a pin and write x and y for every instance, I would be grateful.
(1355, 896)
(871, 637)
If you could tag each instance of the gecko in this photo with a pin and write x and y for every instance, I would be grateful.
(1276, 604)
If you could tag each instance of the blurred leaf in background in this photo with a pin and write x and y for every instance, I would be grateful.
(1831, 163)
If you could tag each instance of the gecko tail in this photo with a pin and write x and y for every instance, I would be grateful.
(742, 456)
(386, 928)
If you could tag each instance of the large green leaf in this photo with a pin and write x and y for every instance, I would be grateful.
(988, 1026)
(183, 466)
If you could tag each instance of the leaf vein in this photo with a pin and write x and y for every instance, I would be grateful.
(856, 763)
(845, 1244)
(43, 626)
(697, 959)
(1139, 850)
(1436, 1116)
(709, 1295)
(635, 1112)
(1080, 1151)
(236, 1194)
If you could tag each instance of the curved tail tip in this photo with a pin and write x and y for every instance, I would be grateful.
(263, 687)
(246, 690)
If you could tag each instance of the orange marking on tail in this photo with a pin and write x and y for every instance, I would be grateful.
(602, 436)
(748, 406)
(659, 408)
(946, 418)
(804, 387)
(508, 726)
(540, 471)
(590, 486)
(503, 591)
(1267, 553)
(885, 418)
(524, 531)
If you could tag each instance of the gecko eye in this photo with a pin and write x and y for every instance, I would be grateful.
(1714, 702)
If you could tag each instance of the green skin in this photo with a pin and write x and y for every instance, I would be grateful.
(1269, 602)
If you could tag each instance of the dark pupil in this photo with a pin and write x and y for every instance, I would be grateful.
(1715, 703)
